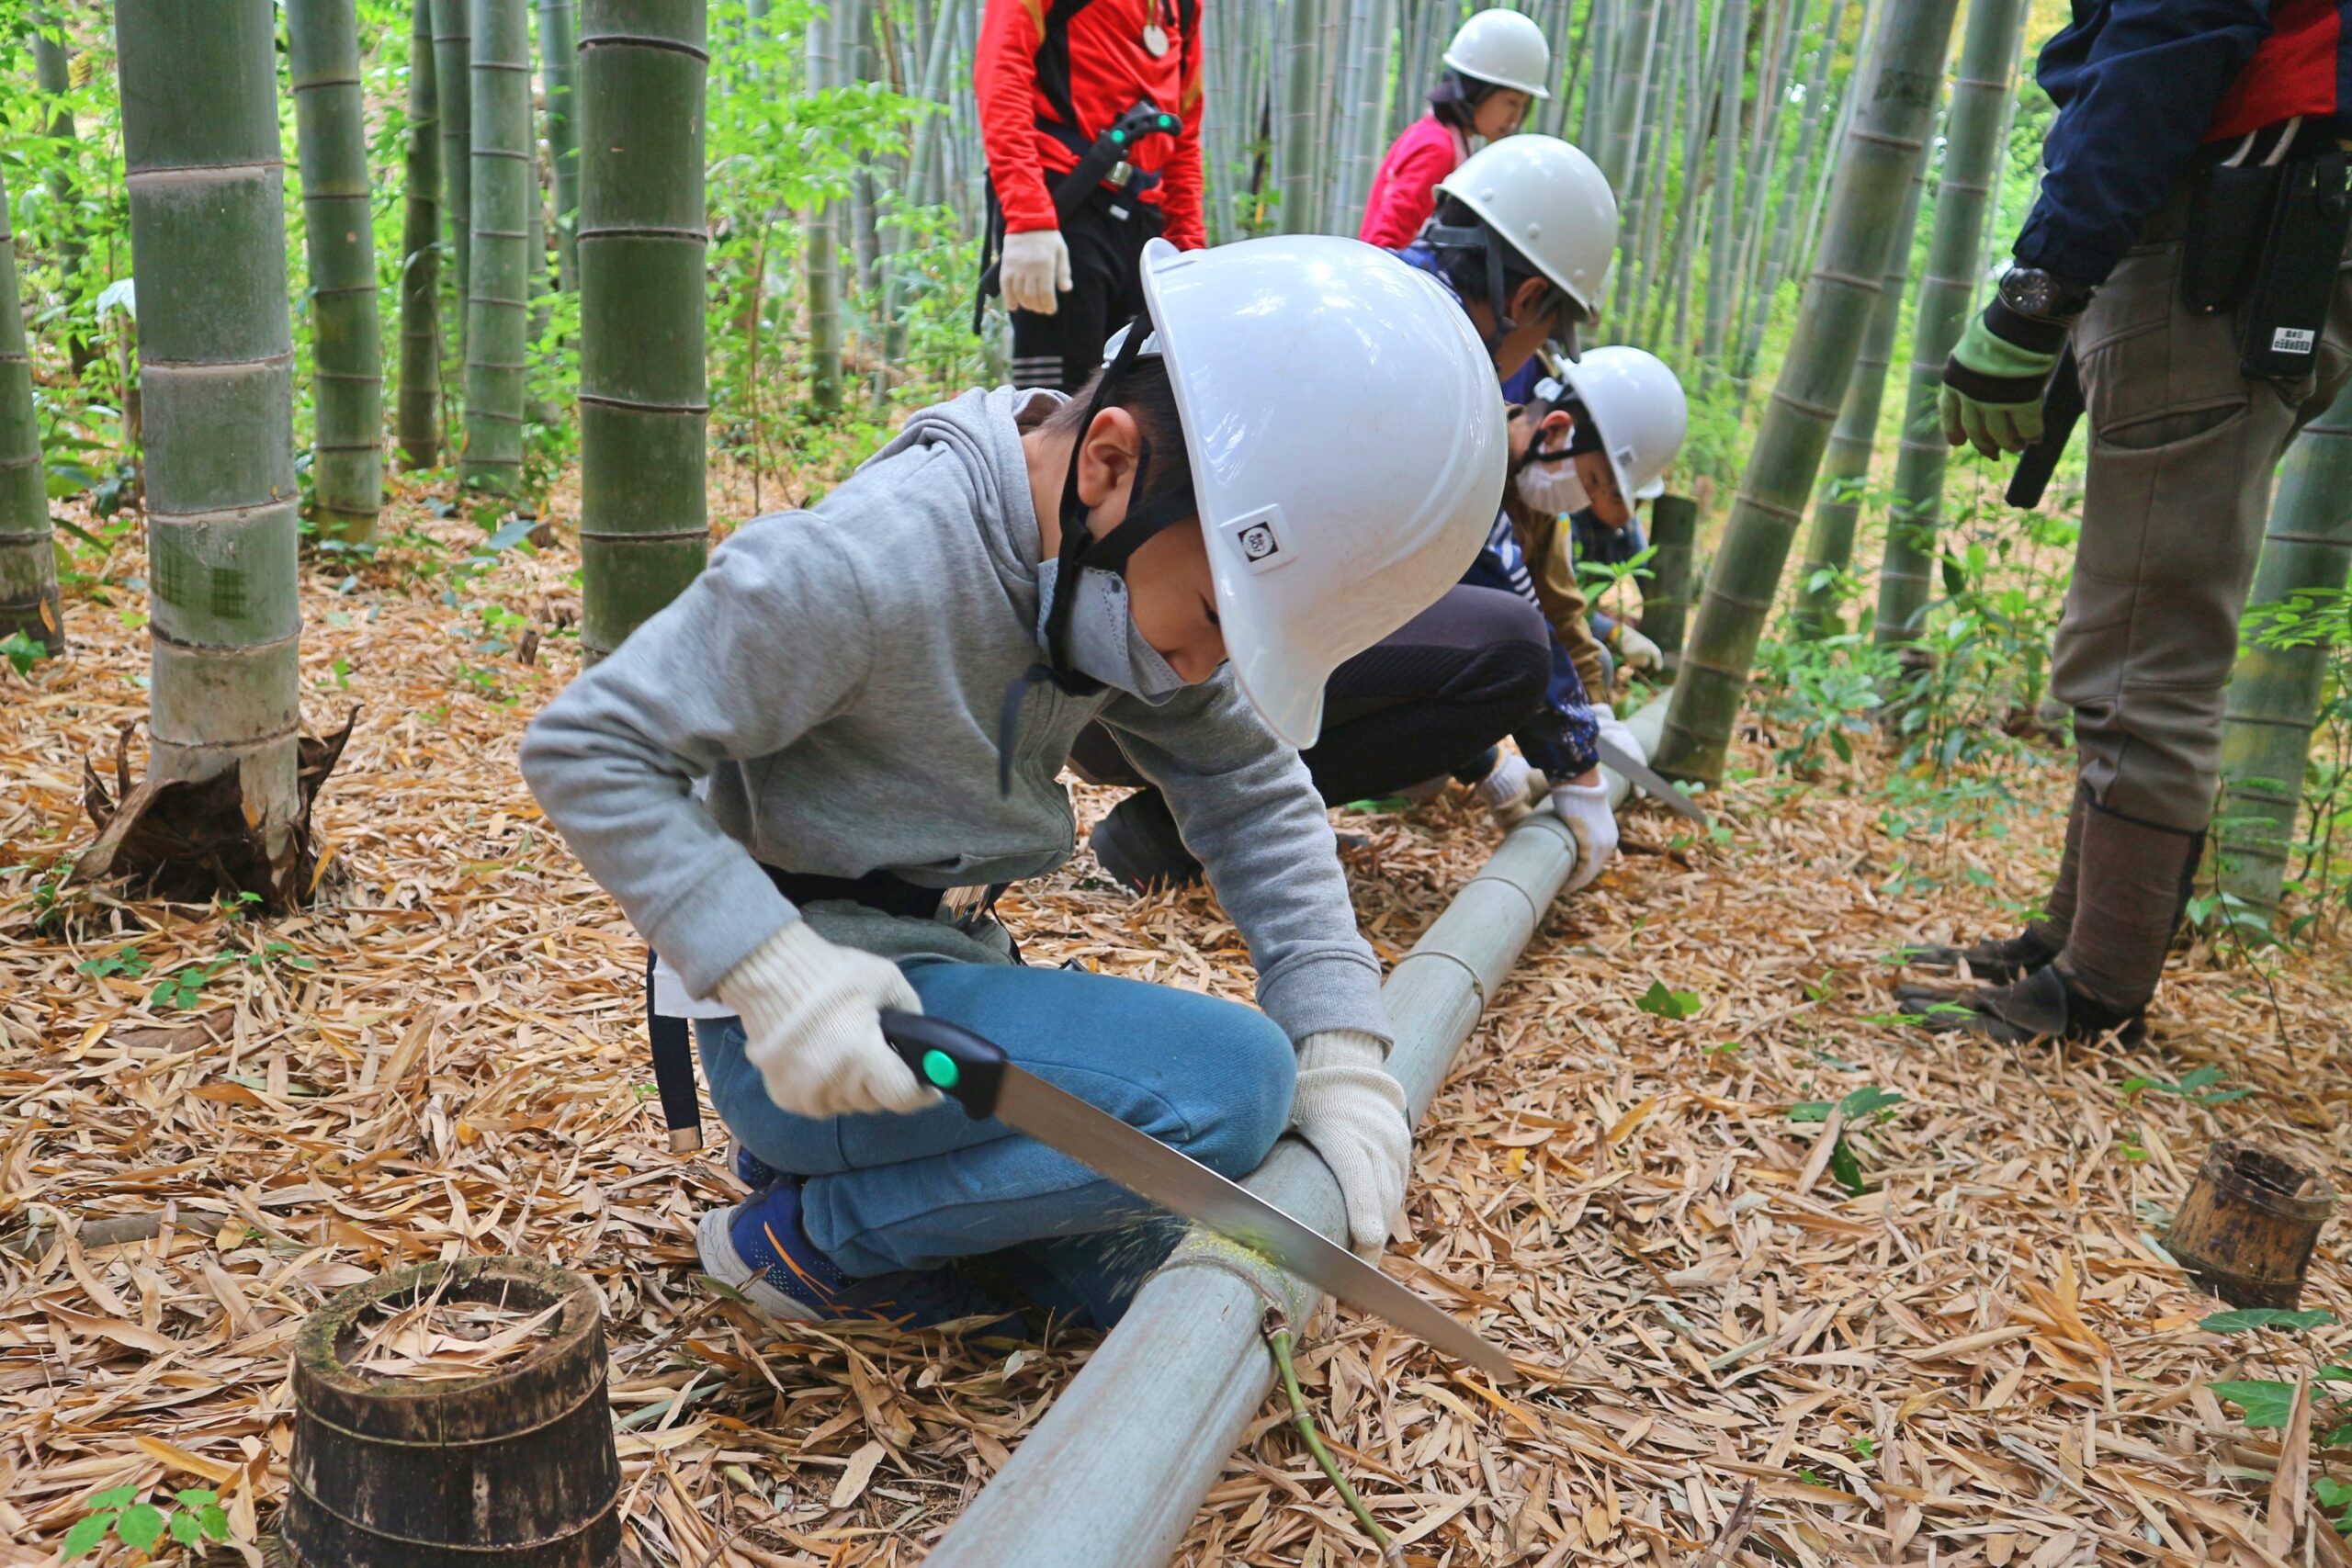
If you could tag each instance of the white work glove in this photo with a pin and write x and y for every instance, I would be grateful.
(1553, 488)
(1511, 790)
(1353, 1113)
(1034, 271)
(1617, 729)
(810, 1014)
(1585, 809)
(1635, 651)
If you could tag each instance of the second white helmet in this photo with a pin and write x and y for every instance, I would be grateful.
(1334, 508)
(1637, 406)
(1503, 48)
(1551, 202)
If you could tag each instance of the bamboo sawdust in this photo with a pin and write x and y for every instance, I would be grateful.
(1982, 1360)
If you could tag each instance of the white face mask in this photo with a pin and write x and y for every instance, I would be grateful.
(1553, 487)
(1103, 641)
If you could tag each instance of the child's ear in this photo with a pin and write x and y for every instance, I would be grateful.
(1557, 426)
(1107, 454)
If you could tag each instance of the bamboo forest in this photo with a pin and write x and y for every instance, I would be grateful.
(607, 604)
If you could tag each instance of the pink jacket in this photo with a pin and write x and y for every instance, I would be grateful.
(1404, 191)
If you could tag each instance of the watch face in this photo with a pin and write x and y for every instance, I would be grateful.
(2029, 292)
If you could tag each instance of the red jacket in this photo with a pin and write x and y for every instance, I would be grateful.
(2297, 70)
(1404, 191)
(1080, 64)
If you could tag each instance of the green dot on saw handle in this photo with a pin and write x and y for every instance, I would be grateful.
(941, 1069)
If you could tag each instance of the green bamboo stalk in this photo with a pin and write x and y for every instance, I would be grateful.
(1792, 182)
(339, 244)
(558, 45)
(453, 79)
(1723, 203)
(1302, 82)
(54, 75)
(1846, 469)
(1973, 149)
(822, 239)
(497, 301)
(419, 411)
(207, 237)
(1666, 598)
(2275, 693)
(1888, 135)
(643, 530)
(1765, 164)
(29, 601)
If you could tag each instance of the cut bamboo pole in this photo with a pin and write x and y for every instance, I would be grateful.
(1094, 1487)
(643, 529)
(2248, 1226)
(339, 243)
(419, 410)
(1845, 468)
(28, 598)
(2275, 693)
(1980, 96)
(498, 279)
(1888, 134)
(1666, 598)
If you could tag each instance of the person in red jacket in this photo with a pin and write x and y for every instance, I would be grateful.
(1053, 75)
(1496, 66)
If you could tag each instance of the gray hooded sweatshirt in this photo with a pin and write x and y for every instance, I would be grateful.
(837, 674)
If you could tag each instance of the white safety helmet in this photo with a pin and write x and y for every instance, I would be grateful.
(1637, 410)
(1651, 490)
(1334, 508)
(1503, 48)
(1550, 201)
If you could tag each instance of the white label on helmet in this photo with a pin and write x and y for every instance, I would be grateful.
(1260, 538)
(2293, 340)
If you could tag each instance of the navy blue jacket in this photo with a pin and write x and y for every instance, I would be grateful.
(2141, 85)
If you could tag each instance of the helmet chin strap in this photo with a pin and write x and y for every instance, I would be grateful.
(1479, 237)
(1081, 551)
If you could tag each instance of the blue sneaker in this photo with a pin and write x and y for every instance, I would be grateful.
(758, 1247)
(756, 1174)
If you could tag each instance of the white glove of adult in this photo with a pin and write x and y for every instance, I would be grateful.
(1585, 808)
(1619, 732)
(810, 1009)
(1635, 651)
(1034, 271)
(1553, 488)
(1353, 1113)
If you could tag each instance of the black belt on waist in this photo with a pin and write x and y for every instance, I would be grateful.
(883, 890)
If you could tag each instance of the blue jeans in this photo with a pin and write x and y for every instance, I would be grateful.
(883, 1193)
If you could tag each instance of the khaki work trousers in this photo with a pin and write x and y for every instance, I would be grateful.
(2183, 450)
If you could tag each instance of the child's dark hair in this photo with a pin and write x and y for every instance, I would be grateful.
(1145, 393)
(1456, 99)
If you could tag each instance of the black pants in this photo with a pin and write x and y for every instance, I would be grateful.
(1435, 694)
(1062, 350)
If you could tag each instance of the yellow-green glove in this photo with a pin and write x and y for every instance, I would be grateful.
(1993, 389)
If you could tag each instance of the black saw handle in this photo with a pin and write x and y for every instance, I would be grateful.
(950, 1058)
(2061, 409)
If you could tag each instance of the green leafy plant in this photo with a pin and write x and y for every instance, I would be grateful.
(1864, 1107)
(142, 1525)
(1662, 1001)
(126, 962)
(2242, 1320)
(2200, 1087)
(22, 653)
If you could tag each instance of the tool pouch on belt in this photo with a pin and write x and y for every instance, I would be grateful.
(2266, 242)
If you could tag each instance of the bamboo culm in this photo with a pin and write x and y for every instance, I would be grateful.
(1846, 468)
(1723, 203)
(208, 236)
(643, 528)
(453, 79)
(823, 242)
(419, 410)
(1972, 154)
(497, 301)
(29, 601)
(558, 45)
(1301, 83)
(1889, 134)
(2275, 693)
(339, 243)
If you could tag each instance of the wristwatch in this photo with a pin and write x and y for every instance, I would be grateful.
(2040, 296)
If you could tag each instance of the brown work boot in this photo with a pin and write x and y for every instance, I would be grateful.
(2041, 1006)
(1996, 961)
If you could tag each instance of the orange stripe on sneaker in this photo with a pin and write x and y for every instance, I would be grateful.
(801, 1273)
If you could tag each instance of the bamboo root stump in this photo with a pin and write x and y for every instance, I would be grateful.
(513, 1464)
(2247, 1227)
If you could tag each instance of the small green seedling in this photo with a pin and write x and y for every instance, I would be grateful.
(1662, 1001)
(142, 1525)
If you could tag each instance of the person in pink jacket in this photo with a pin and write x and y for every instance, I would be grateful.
(1496, 66)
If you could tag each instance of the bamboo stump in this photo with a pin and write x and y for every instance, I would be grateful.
(512, 1464)
(1666, 600)
(2247, 1227)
